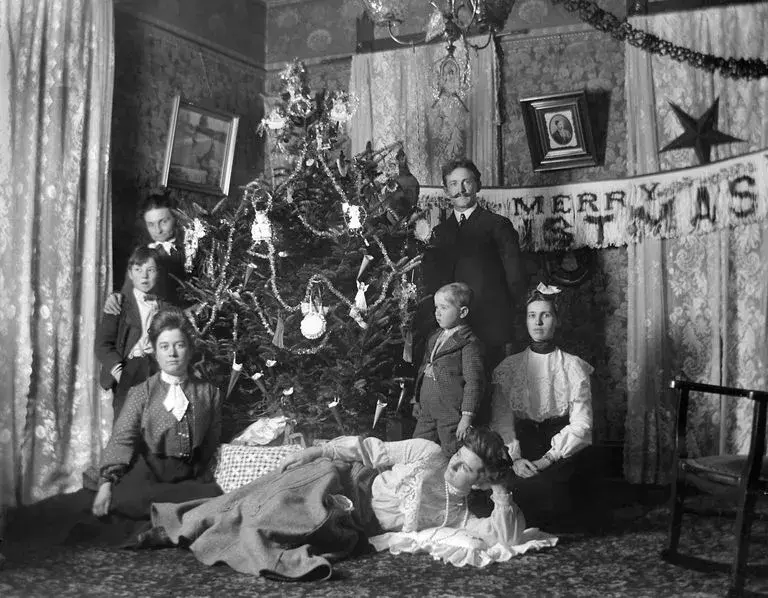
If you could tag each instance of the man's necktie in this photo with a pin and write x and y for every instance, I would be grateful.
(462, 220)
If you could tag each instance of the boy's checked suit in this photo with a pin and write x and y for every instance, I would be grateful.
(448, 383)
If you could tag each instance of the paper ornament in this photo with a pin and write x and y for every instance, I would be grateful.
(379, 408)
(313, 325)
(360, 303)
(353, 214)
(261, 229)
(367, 259)
(234, 374)
(334, 407)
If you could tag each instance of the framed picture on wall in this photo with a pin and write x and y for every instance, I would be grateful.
(558, 131)
(200, 149)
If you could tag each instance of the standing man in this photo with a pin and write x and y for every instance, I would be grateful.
(481, 249)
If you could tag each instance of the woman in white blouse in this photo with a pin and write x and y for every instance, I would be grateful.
(542, 408)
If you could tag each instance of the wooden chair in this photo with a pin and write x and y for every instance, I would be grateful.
(739, 478)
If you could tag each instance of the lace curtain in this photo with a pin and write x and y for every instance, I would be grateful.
(401, 100)
(56, 72)
(696, 305)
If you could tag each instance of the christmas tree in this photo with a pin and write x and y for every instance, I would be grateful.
(304, 285)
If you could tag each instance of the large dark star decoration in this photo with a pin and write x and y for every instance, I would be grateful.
(700, 134)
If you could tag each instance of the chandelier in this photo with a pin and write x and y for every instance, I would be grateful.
(450, 19)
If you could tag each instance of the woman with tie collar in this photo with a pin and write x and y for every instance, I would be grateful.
(167, 432)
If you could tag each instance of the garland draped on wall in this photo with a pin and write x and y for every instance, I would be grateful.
(622, 30)
(614, 213)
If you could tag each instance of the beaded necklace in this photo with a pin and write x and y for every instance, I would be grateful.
(447, 506)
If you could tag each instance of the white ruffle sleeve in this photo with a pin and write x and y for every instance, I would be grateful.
(494, 539)
(566, 390)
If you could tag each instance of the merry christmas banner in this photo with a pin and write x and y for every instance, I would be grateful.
(674, 203)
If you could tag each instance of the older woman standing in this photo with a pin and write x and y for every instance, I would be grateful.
(542, 408)
(167, 432)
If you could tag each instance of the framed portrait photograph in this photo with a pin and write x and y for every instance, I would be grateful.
(200, 148)
(558, 131)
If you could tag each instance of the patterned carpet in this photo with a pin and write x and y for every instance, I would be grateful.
(622, 559)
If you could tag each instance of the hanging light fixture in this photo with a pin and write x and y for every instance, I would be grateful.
(452, 19)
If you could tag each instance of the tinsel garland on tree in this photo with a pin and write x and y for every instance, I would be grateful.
(620, 29)
(305, 289)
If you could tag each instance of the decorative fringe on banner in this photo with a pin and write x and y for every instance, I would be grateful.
(672, 204)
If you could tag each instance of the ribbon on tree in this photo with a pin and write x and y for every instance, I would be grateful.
(600, 214)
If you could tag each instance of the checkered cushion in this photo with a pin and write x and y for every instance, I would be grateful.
(238, 464)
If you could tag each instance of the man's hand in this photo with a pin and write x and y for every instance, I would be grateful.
(523, 468)
(417, 410)
(464, 424)
(301, 458)
(113, 304)
(103, 499)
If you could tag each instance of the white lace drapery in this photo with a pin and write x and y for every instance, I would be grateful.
(55, 241)
(696, 305)
(396, 90)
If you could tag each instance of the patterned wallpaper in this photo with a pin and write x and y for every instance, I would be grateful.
(152, 65)
(594, 314)
(234, 24)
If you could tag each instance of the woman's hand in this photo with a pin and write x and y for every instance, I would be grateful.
(523, 468)
(301, 458)
(103, 499)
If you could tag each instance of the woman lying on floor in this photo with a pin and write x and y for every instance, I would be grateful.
(324, 502)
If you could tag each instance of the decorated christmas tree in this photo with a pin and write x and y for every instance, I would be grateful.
(304, 285)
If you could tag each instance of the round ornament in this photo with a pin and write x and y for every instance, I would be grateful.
(313, 325)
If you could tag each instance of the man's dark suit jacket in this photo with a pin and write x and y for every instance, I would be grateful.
(485, 254)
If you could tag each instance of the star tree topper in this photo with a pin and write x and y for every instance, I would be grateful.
(700, 134)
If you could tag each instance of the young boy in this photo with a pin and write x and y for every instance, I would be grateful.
(122, 345)
(451, 379)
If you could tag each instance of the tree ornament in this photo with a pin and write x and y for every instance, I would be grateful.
(234, 374)
(248, 271)
(343, 107)
(354, 216)
(367, 259)
(342, 165)
(401, 382)
(380, 405)
(358, 317)
(699, 134)
(257, 378)
(313, 324)
(192, 236)
(278, 339)
(360, 303)
(261, 229)
(334, 407)
(275, 121)
(408, 346)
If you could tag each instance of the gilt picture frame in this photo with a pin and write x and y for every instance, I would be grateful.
(200, 148)
(559, 131)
